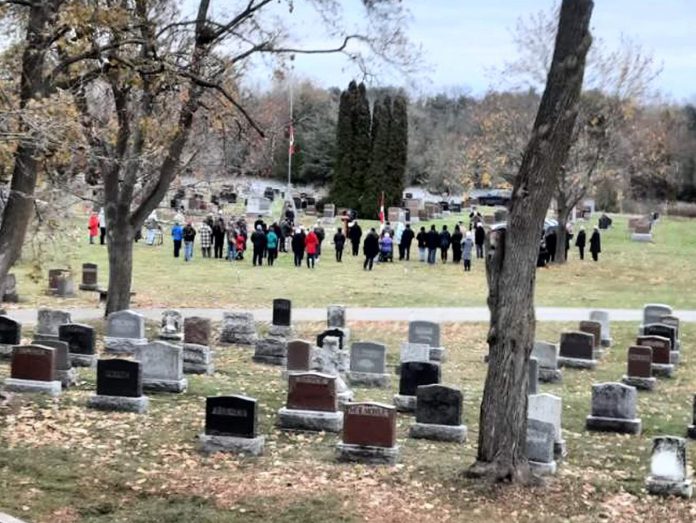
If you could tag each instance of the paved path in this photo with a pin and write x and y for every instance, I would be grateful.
(448, 314)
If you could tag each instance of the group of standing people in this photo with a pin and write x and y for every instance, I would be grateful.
(549, 244)
(96, 224)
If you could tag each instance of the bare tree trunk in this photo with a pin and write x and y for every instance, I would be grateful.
(511, 259)
(20, 205)
(120, 246)
(562, 214)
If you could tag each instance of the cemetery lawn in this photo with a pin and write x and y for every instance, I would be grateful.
(62, 463)
(628, 275)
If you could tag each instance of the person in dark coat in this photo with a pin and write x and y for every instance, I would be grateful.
(219, 237)
(258, 240)
(445, 241)
(298, 246)
(551, 244)
(433, 242)
(543, 254)
(319, 231)
(479, 239)
(259, 221)
(595, 244)
(422, 240)
(457, 238)
(339, 241)
(370, 249)
(568, 238)
(355, 233)
(405, 244)
(580, 242)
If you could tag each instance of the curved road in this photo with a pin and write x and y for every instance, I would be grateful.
(448, 314)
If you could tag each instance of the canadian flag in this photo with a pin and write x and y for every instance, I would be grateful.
(291, 146)
(381, 209)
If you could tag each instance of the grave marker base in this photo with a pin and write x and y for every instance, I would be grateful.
(550, 375)
(83, 360)
(280, 331)
(559, 450)
(123, 345)
(311, 420)
(270, 351)
(369, 379)
(622, 426)
(198, 359)
(640, 383)
(280, 361)
(665, 487)
(52, 388)
(346, 452)
(159, 385)
(576, 363)
(437, 354)
(251, 446)
(48, 337)
(6, 352)
(405, 403)
(663, 370)
(199, 368)
(171, 337)
(641, 237)
(542, 469)
(67, 378)
(119, 403)
(437, 432)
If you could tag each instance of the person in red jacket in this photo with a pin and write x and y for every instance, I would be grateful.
(311, 245)
(93, 226)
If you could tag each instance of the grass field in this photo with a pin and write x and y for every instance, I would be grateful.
(61, 463)
(628, 275)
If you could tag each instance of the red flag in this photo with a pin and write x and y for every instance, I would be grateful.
(291, 147)
(381, 209)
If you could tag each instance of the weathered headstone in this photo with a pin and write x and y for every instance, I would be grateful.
(438, 414)
(198, 357)
(125, 332)
(669, 468)
(413, 375)
(64, 371)
(652, 312)
(549, 408)
(163, 366)
(368, 365)
(299, 356)
(48, 321)
(336, 317)
(10, 335)
(197, 330)
(595, 329)
(330, 359)
(171, 325)
(665, 331)
(427, 333)
(89, 277)
(119, 387)
(369, 434)
(8, 289)
(547, 355)
(33, 370)
(540, 447)
(577, 350)
(312, 403)
(661, 354)
(231, 425)
(613, 409)
(238, 328)
(639, 373)
(272, 351)
(81, 344)
(602, 317)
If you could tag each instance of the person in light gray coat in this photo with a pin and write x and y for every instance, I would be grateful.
(467, 249)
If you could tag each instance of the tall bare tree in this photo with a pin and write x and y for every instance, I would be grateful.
(512, 253)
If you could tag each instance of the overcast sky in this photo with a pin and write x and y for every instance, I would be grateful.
(463, 40)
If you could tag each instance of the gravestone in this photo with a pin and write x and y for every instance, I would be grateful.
(163, 366)
(672, 321)
(639, 373)
(119, 387)
(10, 335)
(652, 312)
(595, 329)
(691, 430)
(299, 356)
(53, 276)
(661, 354)
(369, 434)
(368, 365)
(602, 317)
(335, 333)
(336, 317)
(48, 321)
(577, 350)
(81, 344)
(272, 351)
(33, 370)
(198, 357)
(8, 289)
(549, 409)
(438, 414)
(89, 277)
(533, 379)
(669, 468)
(197, 330)
(231, 425)
(125, 332)
(665, 331)
(171, 325)
(413, 375)
(540, 447)
(64, 371)
(312, 403)
(281, 324)
(613, 409)
(238, 328)
(414, 352)
(330, 359)
(546, 355)
(66, 286)
(427, 333)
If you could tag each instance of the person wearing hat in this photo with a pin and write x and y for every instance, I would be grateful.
(595, 244)
(467, 250)
(355, 233)
(298, 246)
(311, 247)
(258, 240)
(580, 242)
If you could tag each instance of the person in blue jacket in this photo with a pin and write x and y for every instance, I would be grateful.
(177, 236)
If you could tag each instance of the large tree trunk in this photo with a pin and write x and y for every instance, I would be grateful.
(512, 254)
(20, 205)
(562, 215)
(120, 236)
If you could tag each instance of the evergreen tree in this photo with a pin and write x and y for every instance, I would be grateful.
(377, 180)
(361, 148)
(339, 193)
(398, 152)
